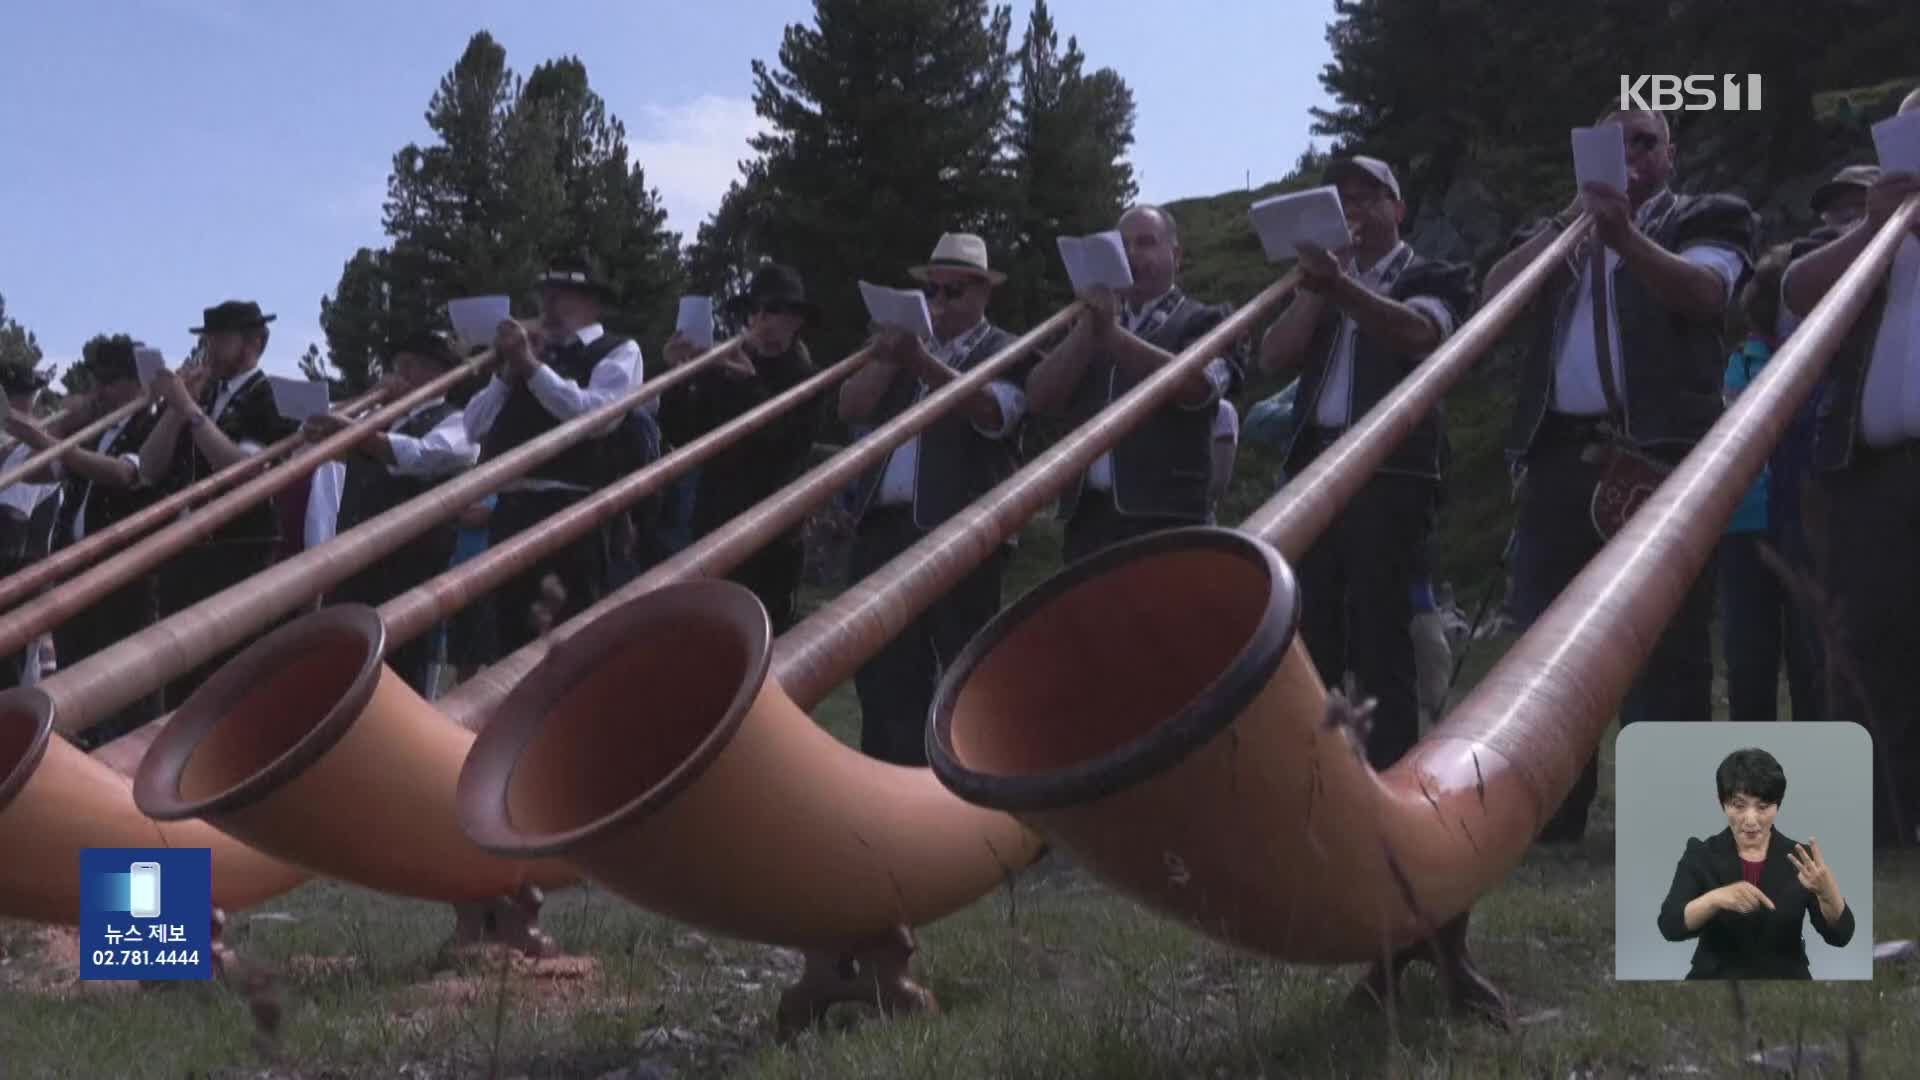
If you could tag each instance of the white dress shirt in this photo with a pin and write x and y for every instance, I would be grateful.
(1890, 397)
(903, 465)
(443, 451)
(1335, 407)
(1217, 374)
(99, 447)
(1576, 374)
(617, 374)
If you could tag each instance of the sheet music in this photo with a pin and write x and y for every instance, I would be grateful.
(1897, 141)
(1600, 155)
(901, 309)
(298, 399)
(1100, 259)
(1313, 216)
(695, 320)
(148, 363)
(475, 318)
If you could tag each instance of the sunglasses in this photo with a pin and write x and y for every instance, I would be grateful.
(951, 290)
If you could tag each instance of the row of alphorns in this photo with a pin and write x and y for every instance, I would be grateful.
(659, 742)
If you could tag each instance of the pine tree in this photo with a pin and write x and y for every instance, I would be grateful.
(18, 346)
(1069, 136)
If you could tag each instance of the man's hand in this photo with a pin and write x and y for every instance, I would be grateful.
(1740, 897)
(894, 345)
(1612, 213)
(679, 350)
(518, 347)
(1102, 309)
(1885, 196)
(1815, 877)
(1320, 269)
(175, 389)
(736, 364)
(322, 426)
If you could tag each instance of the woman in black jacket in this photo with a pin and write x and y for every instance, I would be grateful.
(1743, 891)
(770, 360)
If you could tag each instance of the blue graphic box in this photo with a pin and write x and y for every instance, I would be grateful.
(146, 913)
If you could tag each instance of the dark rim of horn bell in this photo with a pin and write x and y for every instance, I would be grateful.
(1169, 742)
(486, 778)
(156, 787)
(34, 704)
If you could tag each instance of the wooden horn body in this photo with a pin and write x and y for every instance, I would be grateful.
(307, 747)
(134, 666)
(822, 845)
(55, 800)
(363, 737)
(60, 447)
(120, 537)
(1189, 753)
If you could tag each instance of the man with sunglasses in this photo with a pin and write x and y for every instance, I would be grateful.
(1365, 318)
(936, 474)
(1160, 475)
(1619, 375)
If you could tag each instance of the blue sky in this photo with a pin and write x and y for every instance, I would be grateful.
(163, 155)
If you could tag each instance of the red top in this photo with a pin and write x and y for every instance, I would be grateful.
(1750, 872)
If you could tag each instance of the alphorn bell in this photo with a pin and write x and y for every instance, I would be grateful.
(1199, 764)
(25, 583)
(42, 458)
(861, 849)
(124, 671)
(237, 754)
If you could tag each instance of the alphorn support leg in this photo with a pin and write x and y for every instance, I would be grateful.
(876, 972)
(255, 985)
(1469, 991)
(512, 920)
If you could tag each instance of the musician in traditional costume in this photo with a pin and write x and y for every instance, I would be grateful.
(28, 506)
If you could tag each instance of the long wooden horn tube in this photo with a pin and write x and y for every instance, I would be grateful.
(134, 666)
(7, 442)
(1198, 763)
(736, 541)
(417, 610)
(60, 448)
(55, 800)
(115, 538)
(310, 718)
(726, 748)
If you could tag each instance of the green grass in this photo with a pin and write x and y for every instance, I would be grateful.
(1054, 977)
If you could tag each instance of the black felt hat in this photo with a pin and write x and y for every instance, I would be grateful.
(576, 272)
(431, 344)
(232, 315)
(778, 288)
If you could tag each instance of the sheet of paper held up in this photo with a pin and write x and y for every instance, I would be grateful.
(298, 399)
(475, 318)
(1100, 259)
(147, 363)
(1312, 216)
(901, 309)
(695, 321)
(1600, 156)
(1897, 141)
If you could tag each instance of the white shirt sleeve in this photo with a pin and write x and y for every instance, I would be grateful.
(483, 409)
(323, 503)
(1217, 376)
(1013, 405)
(1435, 309)
(444, 450)
(1722, 260)
(616, 374)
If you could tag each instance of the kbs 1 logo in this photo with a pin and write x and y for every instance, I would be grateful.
(1691, 93)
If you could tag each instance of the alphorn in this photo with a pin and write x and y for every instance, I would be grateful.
(376, 759)
(1200, 739)
(124, 671)
(25, 583)
(733, 543)
(52, 422)
(59, 449)
(859, 846)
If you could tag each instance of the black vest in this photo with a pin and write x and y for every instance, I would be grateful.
(762, 461)
(106, 506)
(957, 464)
(1164, 467)
(251, 416)
(523, 419)
(1675, 362)
(370, 489)
(26, 538)
(1836, 432)
(1378, 367)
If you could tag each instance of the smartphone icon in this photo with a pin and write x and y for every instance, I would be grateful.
(144, 890)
